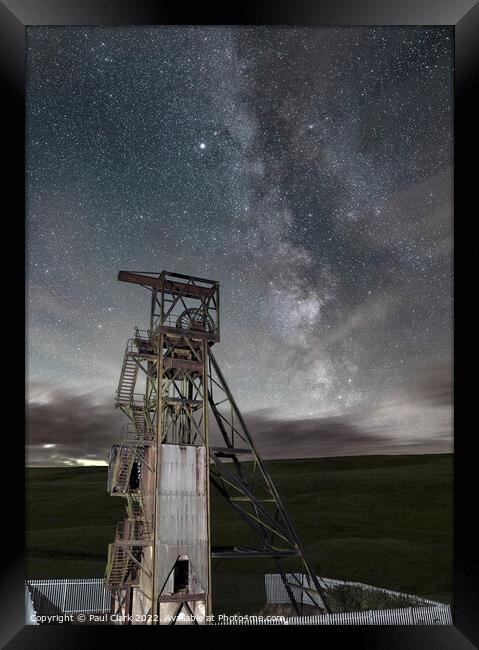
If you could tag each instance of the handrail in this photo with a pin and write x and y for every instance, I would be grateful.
(135, 535)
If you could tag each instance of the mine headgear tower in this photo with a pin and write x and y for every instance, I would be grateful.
(159, 565)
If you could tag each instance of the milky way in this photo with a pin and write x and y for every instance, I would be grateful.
(308, 170)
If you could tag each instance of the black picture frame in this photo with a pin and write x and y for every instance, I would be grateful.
(15, 15)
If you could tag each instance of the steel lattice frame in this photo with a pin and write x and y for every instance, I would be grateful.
(175, 353)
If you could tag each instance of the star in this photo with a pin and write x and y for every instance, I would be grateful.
(322, 207)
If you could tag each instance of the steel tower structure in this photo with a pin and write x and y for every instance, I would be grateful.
(170, 388)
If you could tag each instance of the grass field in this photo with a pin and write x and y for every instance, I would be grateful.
(382, 520)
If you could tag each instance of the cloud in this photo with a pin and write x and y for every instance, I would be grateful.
(80, 426)
(433, 385)
(368, 314)
(413, 418)
(66, 428)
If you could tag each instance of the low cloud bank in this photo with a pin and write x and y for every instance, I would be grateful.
(68, 429)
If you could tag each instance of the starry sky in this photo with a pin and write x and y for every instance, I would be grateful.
(308, 170)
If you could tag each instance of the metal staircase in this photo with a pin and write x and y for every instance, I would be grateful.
(128, 376)
(131, 403)
(118, 566)
(122, 470)
(133, 534)
(124, 553)
(136, 509)
(139, 420)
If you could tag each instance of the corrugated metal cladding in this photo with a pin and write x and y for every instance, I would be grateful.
(182, 525)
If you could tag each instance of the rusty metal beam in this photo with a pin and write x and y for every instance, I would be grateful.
(227, 452)
(189, 334)
(181, 598)
(236, 552)
(166, 286)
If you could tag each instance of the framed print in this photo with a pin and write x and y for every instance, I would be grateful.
(284, 437)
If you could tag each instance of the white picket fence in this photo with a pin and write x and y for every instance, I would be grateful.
(69, 596)
(405, 616)
(30, 613)
(77, 596)
(424, 611)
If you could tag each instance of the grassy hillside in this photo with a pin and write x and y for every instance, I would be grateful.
(383, 520)
(70, 519)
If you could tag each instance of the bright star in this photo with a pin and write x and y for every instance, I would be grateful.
(202, 145)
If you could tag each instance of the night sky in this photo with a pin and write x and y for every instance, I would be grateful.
(309, 170)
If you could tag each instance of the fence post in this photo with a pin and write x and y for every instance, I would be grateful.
(64, 597)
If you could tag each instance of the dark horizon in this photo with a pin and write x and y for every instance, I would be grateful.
(279, 460)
